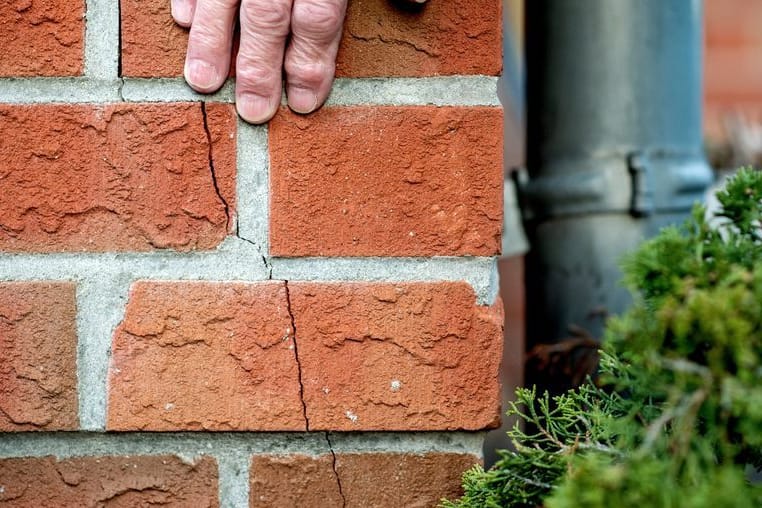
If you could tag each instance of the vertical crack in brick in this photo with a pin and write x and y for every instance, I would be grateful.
(118, 46)
(336, 471)
(296, 356)
(211, 166)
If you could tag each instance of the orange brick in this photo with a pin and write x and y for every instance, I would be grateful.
(38, 350)
(293, 481)
(368, 480)
(386, 181)
(115, 177)
(445, 38)
(42, 38)
(407, 356)
(108, 481)
(205, 356)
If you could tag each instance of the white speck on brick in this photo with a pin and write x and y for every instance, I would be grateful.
(395, 385)
(353, 417)
(169, 406)
(326, 390)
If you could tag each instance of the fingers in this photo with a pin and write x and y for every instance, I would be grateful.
(264, 30)
(311, 57)
(182, 11)
(207, 61)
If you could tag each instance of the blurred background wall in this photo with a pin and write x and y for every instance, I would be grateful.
(732, 132)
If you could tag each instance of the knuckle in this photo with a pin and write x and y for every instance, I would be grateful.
(269, 14)
(319, 17)
(310, 74)
(208, 35)
(255, 75)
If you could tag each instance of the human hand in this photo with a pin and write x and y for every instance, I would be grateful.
(309, 61)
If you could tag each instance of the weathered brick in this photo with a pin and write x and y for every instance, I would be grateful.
(386, 181)
(115, 177)
(407, 356)
(108, 481)
(42, 38)
(205, 356)
(368, 480)
(445, 38)
(293, 481)
(38, 349)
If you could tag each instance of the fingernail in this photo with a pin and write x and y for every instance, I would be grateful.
(181, 11)
(202, 75)
(302, 100)
(254, 108)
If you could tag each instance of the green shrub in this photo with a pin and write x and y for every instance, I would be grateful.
(675, 417)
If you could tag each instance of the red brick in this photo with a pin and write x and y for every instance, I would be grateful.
(205, 356)
(115, 482)
(42, 38)
(445, 38)
(386, 181)
(293, 481)
(114, 177)
(38, 349)
(408, 356)
(368, 480)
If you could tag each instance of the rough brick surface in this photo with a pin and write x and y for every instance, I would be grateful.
(38, 349)
(293, 481)
(42, 38)
(114, 177)
(114, 482)
(368, 480)
(205, 356)
(386, 181)
(412, 356)
(444, 38)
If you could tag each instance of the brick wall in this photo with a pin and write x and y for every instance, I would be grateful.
(199, 312)
(732, 63)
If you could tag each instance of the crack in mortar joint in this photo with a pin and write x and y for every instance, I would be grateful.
(211, 165)
(336, 471)
(296, 357)
(267, 262)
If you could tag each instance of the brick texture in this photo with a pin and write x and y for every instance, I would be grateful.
(114, 482)
(38, 349)
(368, 480)
(115, 177)
(444, 38)
(205, 356)
(293, 481)
(386, 181)
(42, 38)
(414, 356)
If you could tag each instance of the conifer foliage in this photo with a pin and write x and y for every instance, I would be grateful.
(675, 417)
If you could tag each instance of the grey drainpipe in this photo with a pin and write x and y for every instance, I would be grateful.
(614, 147)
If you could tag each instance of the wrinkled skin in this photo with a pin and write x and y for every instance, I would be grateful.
(300, 37)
